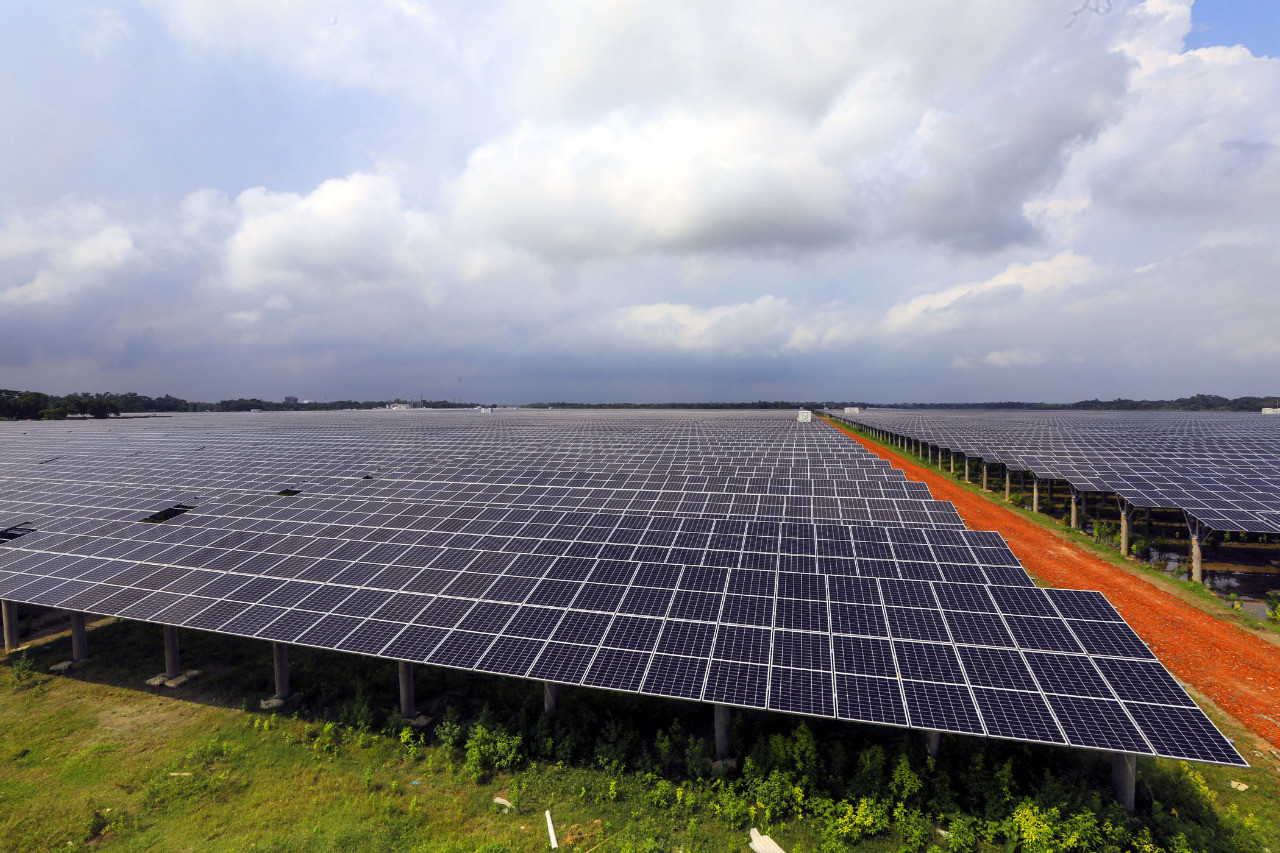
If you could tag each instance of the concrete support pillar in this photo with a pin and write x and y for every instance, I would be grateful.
(280, 658)
(1035, 493)
(952, 455)
(965, 464)
(1124, 778)
(1075, 510)
(172, 667)
(79, 638)
(550, 693)
(1197, 571)
(722, 732)
(9, 613)
(1126, 525)
(406, 690)
(983, 463)
(933, 742)
(1008, 483)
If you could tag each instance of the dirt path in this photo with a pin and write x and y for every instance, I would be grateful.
(1238, 671)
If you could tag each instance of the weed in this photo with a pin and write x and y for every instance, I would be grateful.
(23, 669)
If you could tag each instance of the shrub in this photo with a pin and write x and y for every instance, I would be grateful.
(449, 729)
(491, 750)
(23, 668)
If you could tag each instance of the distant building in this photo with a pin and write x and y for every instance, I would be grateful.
(805, 416)
(290, 401)
(1271, 411)
(852, 410)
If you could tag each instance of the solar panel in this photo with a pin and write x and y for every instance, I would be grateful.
(1221, 468)
(737, 558)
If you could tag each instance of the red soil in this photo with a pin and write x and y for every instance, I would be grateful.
(1239, 672)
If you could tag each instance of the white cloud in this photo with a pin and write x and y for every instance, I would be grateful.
(384, 45)
(680, 182)
(946, 308)
(999, 359)
(351, 238)
(51, 255)
(752, 328)
(583, 198)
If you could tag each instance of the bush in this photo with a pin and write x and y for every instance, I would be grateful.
(23, 668)
(449, 730)
(491, 750)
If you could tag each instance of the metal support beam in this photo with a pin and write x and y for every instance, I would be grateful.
(79, 638)
(722, 732)
(933, 742)
(407, 703)
(172, 667)
(9, 612)
(1124, 778)
(550, 693)
(280, 659)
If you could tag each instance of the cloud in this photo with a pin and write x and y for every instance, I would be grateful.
(948, 308)
(384, 45)
(636, 199)
(679, 182)
(49, 256)
(350, 238)
(1001, 358)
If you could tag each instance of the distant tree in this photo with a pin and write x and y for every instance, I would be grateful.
(22, 405)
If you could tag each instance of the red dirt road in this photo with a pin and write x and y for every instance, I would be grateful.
(1238, 671)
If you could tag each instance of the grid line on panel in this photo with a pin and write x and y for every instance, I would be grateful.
(715, 634)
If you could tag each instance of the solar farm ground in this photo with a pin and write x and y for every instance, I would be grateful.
(99, 762)
(1239, 670)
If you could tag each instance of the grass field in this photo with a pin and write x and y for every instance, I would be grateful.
(96, 760)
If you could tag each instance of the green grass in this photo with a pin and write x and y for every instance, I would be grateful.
(96, 760)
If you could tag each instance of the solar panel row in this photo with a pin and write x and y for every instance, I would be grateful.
(456, 540)
(1222, 469)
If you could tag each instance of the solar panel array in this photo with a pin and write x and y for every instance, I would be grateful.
(737, 558)
(1222, 469)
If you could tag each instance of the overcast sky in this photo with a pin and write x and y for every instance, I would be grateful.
(641, 200)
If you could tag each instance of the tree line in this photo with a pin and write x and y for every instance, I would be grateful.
(35, 405)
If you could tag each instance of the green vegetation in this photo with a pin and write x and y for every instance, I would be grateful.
(34, 405)
(96, 760)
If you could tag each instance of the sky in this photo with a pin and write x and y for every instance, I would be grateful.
(641, 200)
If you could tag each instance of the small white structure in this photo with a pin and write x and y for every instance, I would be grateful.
(1271, 411)
(805, 416)
(485, 411)
(853, 410)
